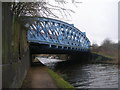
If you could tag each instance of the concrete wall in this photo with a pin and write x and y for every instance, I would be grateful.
(82, 57)
(15, 53)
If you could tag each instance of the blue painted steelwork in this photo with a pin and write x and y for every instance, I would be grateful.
(55, 32)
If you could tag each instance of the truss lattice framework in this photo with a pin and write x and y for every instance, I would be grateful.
(55, 32)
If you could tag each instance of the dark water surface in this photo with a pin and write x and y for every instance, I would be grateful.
(87, 75)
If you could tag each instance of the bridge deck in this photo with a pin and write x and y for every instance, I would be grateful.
(55, 34)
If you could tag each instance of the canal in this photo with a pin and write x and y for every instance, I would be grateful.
(85, 75)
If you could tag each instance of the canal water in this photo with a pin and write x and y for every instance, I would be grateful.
(85, 75)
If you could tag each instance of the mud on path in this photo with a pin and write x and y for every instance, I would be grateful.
(38, 77)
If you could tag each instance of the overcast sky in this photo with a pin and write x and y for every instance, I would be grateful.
(98, 18)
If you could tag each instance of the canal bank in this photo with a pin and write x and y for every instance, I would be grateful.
(99, 73)
(82, 75)
(43, 77)
(102, 59)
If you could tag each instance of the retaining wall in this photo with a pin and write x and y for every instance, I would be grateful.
(15, 53)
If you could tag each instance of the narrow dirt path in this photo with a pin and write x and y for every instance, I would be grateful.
(38, 77)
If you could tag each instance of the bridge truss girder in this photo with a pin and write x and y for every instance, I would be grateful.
(55, 33)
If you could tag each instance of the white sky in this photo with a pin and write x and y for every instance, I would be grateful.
(98, 18)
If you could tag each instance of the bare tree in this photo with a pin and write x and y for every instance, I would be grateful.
(109, 48)
(94, 47)
(106, 42)
(42, 9)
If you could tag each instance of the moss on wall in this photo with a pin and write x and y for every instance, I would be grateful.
(15, 54)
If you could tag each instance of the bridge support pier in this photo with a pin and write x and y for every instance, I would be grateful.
(81, 57)
(50, 45)
(57, 46)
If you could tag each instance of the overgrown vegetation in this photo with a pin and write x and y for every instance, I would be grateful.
(108, 49)
(59, 81)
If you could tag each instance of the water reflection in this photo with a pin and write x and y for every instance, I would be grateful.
(88, 75)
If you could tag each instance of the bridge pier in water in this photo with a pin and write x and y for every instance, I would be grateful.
(82, 57)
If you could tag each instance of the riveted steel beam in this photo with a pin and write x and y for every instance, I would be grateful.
(55, 32)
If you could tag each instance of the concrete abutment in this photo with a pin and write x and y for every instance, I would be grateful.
(15, 53)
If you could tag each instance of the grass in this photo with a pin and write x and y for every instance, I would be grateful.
(102, 58)
(59, 80)
(104, 55)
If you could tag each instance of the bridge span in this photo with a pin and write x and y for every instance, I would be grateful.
(46, 35)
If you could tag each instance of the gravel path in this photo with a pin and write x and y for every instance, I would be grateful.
(38, 77)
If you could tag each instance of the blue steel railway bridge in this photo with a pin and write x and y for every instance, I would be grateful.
(46, 35)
